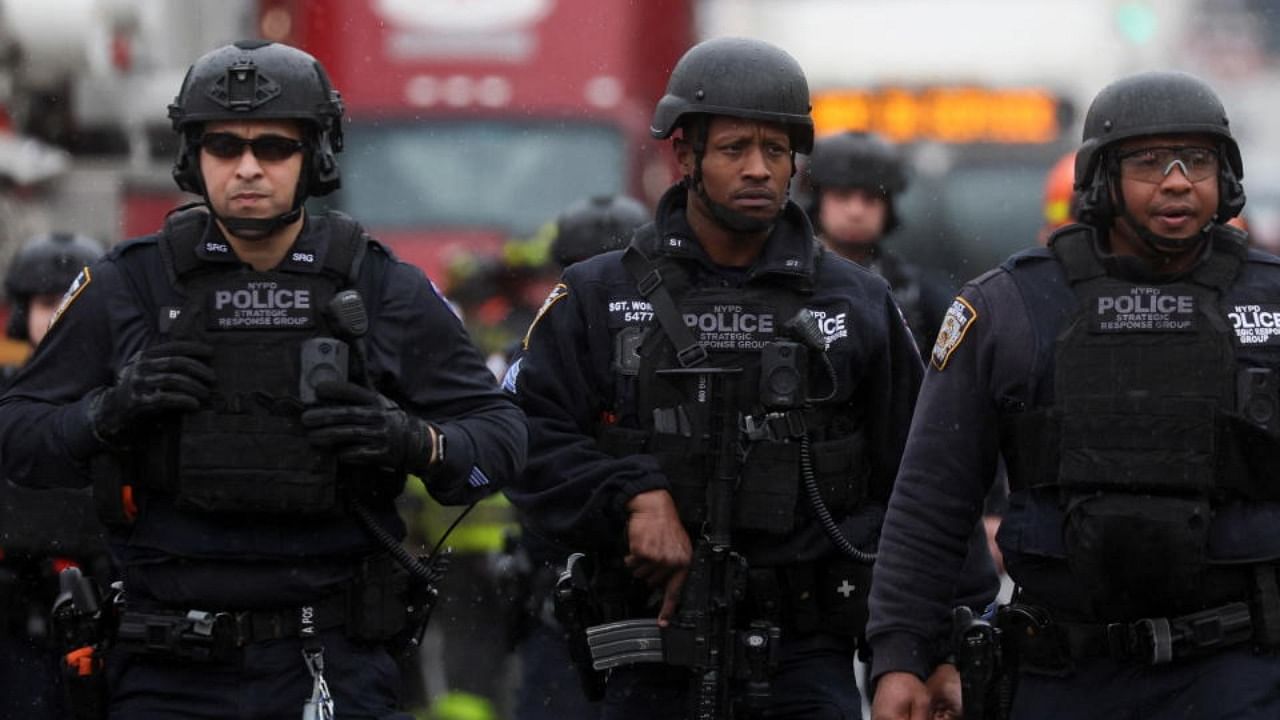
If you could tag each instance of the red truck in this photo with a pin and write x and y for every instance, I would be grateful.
(476, 121)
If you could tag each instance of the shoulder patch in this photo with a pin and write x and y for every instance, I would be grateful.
(77, 286)
(955, 324)
(558, 293)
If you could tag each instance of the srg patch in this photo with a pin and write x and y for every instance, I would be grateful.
(955, 324)
(77, 286)
(558, 293)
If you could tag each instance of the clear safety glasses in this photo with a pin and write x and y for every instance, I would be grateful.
(1153, 164)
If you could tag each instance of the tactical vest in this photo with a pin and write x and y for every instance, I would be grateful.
(675, 415)
(1144, 436)
(245, 451)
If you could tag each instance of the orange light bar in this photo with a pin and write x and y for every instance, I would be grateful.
(942, 114)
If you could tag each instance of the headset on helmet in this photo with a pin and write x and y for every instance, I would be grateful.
(596, 225)
(856, 160)
(1152, 103)
(45, 265)
(737, 77)
(258, 80)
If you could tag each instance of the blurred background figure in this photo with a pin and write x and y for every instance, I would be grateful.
(854, 181)
(1060, 199)
(41, 531)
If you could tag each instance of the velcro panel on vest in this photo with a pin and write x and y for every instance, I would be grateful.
(1138, 443)
(252, 463)
(843, 471)
(765, 498)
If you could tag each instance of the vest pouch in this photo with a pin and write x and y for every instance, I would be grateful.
(1139, 555)
(377, 600)
(765, 499)
(842, 471)
(842, 596)
(252, 464)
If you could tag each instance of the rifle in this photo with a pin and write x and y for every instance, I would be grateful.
(730, 666)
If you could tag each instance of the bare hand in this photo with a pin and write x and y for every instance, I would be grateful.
(944, 688)
(659, 548)
(901, 696)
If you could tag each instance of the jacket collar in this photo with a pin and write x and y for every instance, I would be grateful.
(790, 254)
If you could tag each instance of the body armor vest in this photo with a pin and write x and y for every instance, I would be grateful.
(246, 450)
(1140, 438)
(679, 402)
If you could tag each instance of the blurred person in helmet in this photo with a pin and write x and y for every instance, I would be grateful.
(855, 179)
(269, 377)
(1060, 199)
(1128, 374)
(41, 532)
(646, 364)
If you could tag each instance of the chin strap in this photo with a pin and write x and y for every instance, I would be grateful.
(728, 218)
(1163, 245)
(257, 228)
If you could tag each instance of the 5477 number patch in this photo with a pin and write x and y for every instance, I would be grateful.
(955, 324)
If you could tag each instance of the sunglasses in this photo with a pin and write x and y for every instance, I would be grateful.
(1153, 164)
(266, 148)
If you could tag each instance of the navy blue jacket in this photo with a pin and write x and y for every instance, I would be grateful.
(575, 493)
(1004, 363)
(418, 355)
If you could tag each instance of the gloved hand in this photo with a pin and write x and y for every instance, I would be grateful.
(165, 378)
(365, 427)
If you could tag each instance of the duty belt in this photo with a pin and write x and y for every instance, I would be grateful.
(1156, 641)
(202, 635)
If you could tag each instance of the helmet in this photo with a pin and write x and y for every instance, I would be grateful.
(596, 225)
(1059, 192)
(45, 265)
(1152, 103)
(258, 80)
(857, 160)
(738, 77)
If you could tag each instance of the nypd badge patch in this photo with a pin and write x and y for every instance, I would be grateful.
(77, 286)
(955, 324)
(559, 292)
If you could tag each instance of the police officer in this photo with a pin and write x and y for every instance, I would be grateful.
(855, 179)
(658, 373)
(549, 686)
(1128, 375)
(41, 532)
(252, 384)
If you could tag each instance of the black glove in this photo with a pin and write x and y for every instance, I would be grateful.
(165, 378)
(364, 427)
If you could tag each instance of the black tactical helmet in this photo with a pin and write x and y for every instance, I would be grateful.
(856, 160)
(738, 77)
(1152, 103)
(258, 80)
(45, 265)
(596, 225)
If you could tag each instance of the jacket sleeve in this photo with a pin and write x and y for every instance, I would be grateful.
(949, 463)
(574, 492)
(46, 439)
(421, 357)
